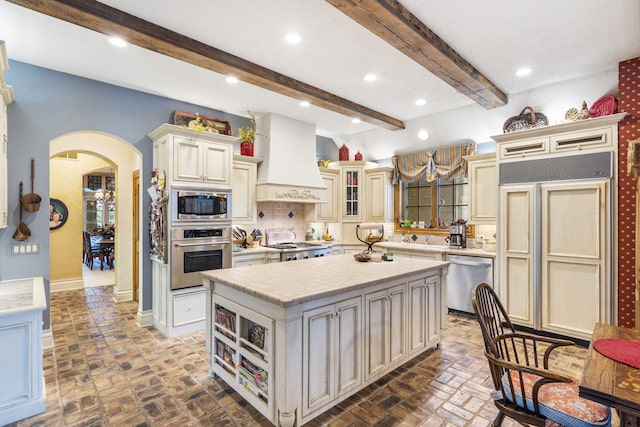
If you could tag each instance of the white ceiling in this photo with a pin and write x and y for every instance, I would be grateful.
(559, 40)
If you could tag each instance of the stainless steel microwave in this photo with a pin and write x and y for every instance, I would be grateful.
(201, 205)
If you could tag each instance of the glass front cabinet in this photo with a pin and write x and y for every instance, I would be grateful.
(352, 202)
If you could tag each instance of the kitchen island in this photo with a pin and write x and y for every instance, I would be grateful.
(296, 338)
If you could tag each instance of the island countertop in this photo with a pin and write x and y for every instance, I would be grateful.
(290, 283)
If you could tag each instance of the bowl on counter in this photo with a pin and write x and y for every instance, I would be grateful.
(360, 257)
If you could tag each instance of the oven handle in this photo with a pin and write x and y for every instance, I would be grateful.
(213, 245)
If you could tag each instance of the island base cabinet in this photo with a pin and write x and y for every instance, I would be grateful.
(331, 353)
(309, 356)
(385, 337)
(240, 344)
(424, 314)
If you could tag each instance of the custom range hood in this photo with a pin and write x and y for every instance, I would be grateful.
(289, 170)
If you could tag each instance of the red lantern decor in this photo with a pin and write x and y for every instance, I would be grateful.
(358, 156)
(246, 148)
(343, 153)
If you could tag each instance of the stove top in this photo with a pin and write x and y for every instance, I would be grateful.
(283, 239)
(295, 245)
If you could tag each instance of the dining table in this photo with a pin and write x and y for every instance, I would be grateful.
(106, 247)
(609, 381)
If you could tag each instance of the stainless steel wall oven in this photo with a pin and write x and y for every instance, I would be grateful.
(194, 250)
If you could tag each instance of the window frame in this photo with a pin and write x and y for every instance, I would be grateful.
(434, 231)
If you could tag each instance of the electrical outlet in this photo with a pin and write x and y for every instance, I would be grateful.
(479, 238)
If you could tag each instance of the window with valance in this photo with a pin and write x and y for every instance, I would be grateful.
(447, 162)
(431, 188)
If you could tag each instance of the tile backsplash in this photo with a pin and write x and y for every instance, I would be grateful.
(276, 215)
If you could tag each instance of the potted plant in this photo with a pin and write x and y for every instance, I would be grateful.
(248, 135)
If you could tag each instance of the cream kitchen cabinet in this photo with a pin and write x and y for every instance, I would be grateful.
(175, 312)
(202, 161)
(243, 190)
(352, 189)
(330, 211)
(6, 98)
(424, 314)
(385, 323)
(379, 195)
(352, 192)
(331, 353)
(556, 228)
(193, 158)
(247, 259)
(483, 189)
(596, 134)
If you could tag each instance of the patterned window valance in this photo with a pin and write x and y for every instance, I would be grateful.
(444, 162)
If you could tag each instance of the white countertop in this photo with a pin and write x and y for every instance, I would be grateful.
(22, 295)
(290, 283)
(417, 247)
(398, 246)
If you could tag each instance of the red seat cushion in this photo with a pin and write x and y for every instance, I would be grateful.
(559, 402)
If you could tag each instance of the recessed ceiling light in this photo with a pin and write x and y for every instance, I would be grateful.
(355, 121)
(523, 72)
(423, 135)
(117, 41)
(420, 102)
(293, 38)
(305, 103)
(370, 78)
(231, 80)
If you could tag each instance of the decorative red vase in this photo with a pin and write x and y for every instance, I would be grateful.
(358, 156)
(343, 153)
(246, 148)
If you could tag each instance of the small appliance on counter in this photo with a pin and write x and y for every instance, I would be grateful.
(458, 234)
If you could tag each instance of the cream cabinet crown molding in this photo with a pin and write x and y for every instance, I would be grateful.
(5, 90)
(577, 125)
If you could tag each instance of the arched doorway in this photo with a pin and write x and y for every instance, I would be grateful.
(126, 161)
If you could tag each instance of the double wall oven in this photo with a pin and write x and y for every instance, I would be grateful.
(200, 234)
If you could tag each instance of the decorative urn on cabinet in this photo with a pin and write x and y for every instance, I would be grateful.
(343, 153)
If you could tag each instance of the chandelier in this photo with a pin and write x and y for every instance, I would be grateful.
(106, 198)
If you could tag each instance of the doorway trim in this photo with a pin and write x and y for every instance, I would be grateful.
(126, 159)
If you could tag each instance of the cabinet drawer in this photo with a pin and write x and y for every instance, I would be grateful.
(594, 138)
(189, 308)
(524, 148)
(246, 261)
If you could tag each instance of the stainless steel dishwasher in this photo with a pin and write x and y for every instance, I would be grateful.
(465, 272)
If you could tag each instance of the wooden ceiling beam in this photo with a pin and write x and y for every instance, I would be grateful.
(107, 20)
(393, 22)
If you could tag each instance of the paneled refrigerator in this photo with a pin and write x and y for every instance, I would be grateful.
(555, 250)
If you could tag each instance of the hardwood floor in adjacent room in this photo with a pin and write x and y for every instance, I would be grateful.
(105, 370)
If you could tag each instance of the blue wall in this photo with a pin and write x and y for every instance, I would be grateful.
(49, 104)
